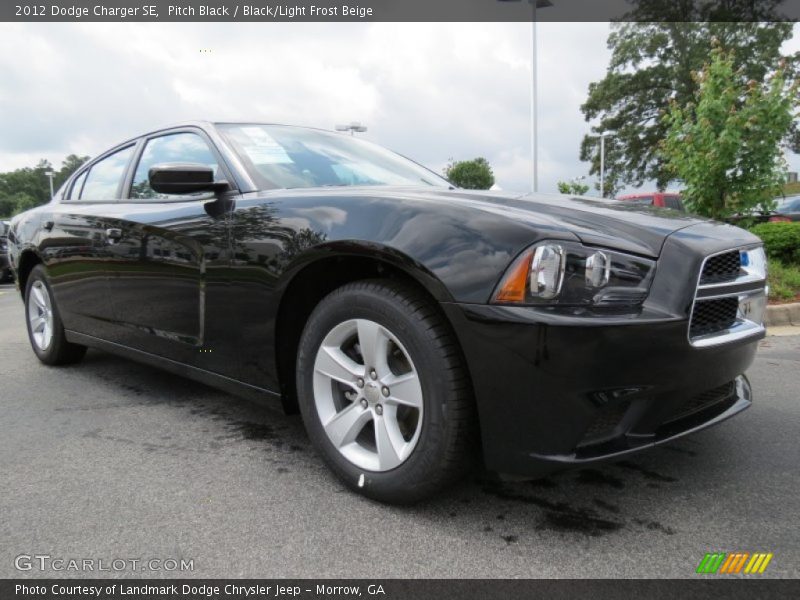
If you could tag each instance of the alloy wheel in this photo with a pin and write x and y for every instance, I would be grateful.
(368, 395)
(40, 315)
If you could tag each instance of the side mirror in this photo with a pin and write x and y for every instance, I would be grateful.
(184, 178)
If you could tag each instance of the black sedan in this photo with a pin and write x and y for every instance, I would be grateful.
(415, 326)
(5, 267)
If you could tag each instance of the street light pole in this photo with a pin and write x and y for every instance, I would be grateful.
(534, 117)
(603, 135)
(50, 175)
(534, 100)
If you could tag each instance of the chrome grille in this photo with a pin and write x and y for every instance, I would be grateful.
(711, 316)
(721, 268)
(730, 297)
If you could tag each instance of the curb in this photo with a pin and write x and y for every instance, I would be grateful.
(781, 315)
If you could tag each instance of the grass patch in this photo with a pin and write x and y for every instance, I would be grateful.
(784, 282)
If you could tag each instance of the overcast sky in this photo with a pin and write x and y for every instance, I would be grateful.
(429, 91)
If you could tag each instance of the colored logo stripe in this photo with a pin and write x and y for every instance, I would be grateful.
(759, 562)
(711, 562)
(722, 562)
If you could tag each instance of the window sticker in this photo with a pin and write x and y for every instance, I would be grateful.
(263, 149)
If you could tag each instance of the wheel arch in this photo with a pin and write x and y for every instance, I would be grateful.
(332, 266)
(28, 259)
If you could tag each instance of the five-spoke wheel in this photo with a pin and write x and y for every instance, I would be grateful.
(368, 394)
(383, 392)
(45, 330)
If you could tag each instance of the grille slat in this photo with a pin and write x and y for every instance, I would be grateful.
(721, 268)
(712, 316)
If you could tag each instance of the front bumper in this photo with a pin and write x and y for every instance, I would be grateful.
(554, 391)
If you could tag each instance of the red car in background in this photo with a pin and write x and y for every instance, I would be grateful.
(662, 199)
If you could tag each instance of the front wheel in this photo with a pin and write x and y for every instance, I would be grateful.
(383, 391)
(45, 330)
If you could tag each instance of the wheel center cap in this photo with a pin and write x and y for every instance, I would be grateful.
(372, 392)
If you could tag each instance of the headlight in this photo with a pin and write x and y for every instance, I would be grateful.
(571, 274)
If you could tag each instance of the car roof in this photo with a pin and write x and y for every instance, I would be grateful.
(646, 195)
(205, 125)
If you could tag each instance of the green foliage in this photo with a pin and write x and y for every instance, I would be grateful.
(473, 174)
(572, 188)
(29, 187)
(784, 281)
(725, 144)
(652, 63)
(781, 240)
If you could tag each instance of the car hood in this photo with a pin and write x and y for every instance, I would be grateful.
(611, 223)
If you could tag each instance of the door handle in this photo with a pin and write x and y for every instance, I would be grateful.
(48, 225)
(113, 234)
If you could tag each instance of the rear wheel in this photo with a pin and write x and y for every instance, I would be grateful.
(383, 392)
(45, 330)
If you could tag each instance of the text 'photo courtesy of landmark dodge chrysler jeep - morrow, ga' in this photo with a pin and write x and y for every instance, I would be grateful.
(415, 326)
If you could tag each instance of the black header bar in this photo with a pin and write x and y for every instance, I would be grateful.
(703, 587)
(399, 10)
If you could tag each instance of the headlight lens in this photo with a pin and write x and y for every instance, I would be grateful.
(571, 274)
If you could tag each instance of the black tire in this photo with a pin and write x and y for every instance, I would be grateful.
(446, 444)
(59, 351)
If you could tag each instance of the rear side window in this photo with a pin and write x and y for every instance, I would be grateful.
(77, 186)
(104, 177)
(173, 148)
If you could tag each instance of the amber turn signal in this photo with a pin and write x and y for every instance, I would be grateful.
(515, 283)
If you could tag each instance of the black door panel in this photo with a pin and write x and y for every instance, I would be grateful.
(76, 254)
(166, 272)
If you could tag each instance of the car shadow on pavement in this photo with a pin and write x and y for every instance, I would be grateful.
(601, 500)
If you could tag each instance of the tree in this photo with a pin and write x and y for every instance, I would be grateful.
(653, 57)
(22, 202)
(28, 187)
(473, 174)
(573, 188)
(68, 166)
(725, 144)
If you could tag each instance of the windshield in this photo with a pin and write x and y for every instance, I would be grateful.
(278, 156)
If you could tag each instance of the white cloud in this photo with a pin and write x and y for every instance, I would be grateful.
(431, 91)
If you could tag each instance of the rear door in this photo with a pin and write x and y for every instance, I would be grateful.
(75, 245)
(169, 264)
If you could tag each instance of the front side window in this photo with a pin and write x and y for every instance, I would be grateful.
(294, 157)
(173, 148)
(104, 177)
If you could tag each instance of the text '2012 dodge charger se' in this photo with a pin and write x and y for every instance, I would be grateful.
(412, 324)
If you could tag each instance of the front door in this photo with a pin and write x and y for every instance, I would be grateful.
(168, 266)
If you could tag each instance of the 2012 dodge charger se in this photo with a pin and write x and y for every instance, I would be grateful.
(412, 324)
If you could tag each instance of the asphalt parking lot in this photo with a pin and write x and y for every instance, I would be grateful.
(110, 459)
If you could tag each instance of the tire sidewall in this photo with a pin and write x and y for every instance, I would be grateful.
(388, 311)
